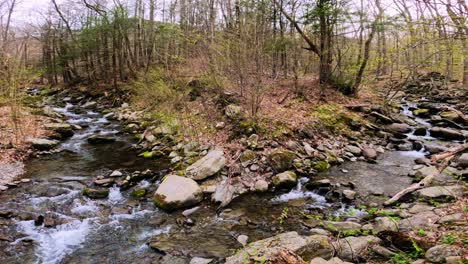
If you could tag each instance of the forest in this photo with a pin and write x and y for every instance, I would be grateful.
(233, 131)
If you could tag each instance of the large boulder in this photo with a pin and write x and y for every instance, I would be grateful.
(287, 179)
(447, 133)
(268, 250)
(177, 192)
(350, 248)
(282, 160)
(207, 166)
(41, 143)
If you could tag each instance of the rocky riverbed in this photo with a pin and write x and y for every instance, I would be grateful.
(88, 197)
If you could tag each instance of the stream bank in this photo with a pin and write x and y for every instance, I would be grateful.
(322, 206)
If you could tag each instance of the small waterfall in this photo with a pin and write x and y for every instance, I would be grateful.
(298, 193)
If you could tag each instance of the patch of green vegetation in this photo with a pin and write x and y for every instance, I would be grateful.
(408, 257)
(250, 126)
(336, 119)
(321, 166)
(448, 239)
(421, 232)
(345, 86)
(283, 216)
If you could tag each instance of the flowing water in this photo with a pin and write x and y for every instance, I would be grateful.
(117, 229)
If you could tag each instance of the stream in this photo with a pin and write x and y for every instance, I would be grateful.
(55, 223)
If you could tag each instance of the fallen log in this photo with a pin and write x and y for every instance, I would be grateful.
(423, 183)
(449, 152)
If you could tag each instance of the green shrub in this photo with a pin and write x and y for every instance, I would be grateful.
(343, 85)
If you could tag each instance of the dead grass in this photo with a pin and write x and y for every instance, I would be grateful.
(13, 133)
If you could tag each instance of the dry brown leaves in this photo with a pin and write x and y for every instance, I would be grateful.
(14, 129)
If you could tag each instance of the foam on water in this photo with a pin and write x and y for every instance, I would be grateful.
(413, 153)
(84, 208)
(298, 193)
(58, 198)
(143, 236)
(53, 244)
(115, 196)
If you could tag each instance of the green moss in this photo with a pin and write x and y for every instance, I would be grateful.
(138, 193)
(321, 166)
(335, 119)
(421, 112)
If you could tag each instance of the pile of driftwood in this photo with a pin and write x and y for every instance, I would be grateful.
(443, 160)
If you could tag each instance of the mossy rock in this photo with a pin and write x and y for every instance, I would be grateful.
(247, 155)
(321, 166)
(138, 193)
(421, 112)
(151, 154)
(287, 179)
(95, 193)
(282, 160)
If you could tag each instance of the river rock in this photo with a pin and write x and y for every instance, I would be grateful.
(282, 160)
(116, 173)
(207, 166)
(65, 130)
(287, 179)
(447, 133)
(405, 147)
(96, 193)
(233, 111)
(243, 239)
(451, 218)
(420, 220)
(335, 260)
(349, 194)
(425, 171)
(261, 186)
(350, 248)
(441, 192)
(369, 153)
(270, 248)
(450, 115)
(463, 160)
(421, 112)
(385, 224)
(382, 118)
(177, 192)
(198, 260)
(420, 131)
(399, 128)
(89, 104)
(353, 149)
(99, 139)
(104, 182)
(341, 226)
(42, 143)
(434, 148)
(420, 207)
(439, 253)
(223, 194)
